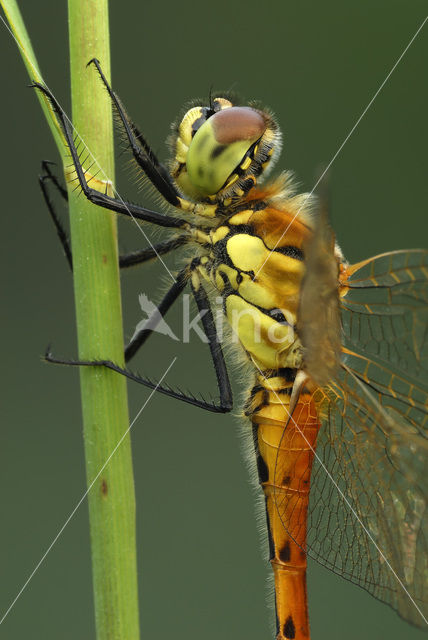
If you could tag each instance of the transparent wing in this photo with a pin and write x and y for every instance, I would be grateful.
(368, 517)
(385, 311)
(368, 513)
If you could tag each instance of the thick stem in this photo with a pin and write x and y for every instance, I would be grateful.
(99, 325)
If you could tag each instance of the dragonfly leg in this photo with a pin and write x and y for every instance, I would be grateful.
(165, 304)
(62, 235)
(97, 197)
(126, 260)
(150, 253)
(204, 308)
(226, 399)
(142, 152)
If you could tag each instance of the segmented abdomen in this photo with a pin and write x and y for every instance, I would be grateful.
(285, 451)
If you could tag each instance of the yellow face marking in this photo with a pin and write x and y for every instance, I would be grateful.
(186, 126)
(181, 150)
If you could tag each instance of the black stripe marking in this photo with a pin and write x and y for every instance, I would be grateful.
(285, 372)
(262, 469)
(271, 545)
(287, 391)
(247, 406)
(291, 252)
(248, 184)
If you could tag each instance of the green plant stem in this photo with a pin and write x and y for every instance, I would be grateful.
(19, 32)
(99, 326)
(99, 323)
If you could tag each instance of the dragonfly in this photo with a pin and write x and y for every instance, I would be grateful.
(337, 410)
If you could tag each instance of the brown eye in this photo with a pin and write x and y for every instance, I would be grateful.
(237, 123)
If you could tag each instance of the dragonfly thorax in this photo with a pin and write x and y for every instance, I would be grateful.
(242, 269)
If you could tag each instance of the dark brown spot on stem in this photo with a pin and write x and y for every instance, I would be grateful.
(104, 488)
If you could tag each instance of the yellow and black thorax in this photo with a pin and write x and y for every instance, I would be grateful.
(257, 269)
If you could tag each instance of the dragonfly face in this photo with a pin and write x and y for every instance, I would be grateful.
(221, 150)
(338, 406)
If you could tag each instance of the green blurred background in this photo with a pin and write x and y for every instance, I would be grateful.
(316, 65)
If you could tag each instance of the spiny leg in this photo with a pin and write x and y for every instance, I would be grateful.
(142, 152)
(145, 157)
(204, 308)
(126, 260)
(150, 253)
(102, 199)
(165, 304)
(58, 226)
(48, 173)
(226, 399)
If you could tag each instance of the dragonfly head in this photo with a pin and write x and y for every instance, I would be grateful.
(221, 150)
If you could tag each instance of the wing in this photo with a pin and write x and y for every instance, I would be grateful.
(368, 513)
(368, 517)
(318, 316)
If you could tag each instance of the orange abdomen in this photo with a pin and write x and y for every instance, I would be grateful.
(286, 453)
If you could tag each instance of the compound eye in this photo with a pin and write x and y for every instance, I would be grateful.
(219, 146)
(237, 124)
